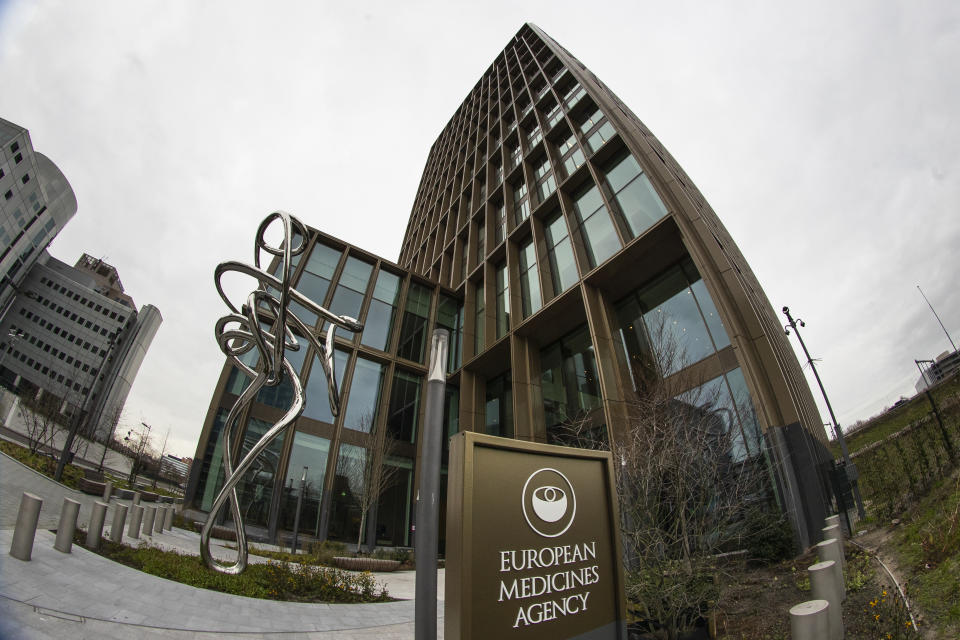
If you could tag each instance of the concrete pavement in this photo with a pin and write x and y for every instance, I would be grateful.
(83, 595)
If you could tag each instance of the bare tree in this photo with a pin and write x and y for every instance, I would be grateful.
(109, 420)
(42, 419)
(369, 475)
(688, 485)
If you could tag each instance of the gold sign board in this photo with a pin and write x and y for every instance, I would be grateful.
(533, 547)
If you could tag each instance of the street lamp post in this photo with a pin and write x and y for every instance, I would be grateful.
(296, 517)
(851, 468)
(143, 445)
(936, 411)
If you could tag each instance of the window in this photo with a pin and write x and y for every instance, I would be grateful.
(383, 309)
(14, 147)
(633, 193)
(568, 379)
(364, 395)
(534, 137)
(309, 454)
(256, 489)
(18, 158)
(669, 324)
(317, 395)
(348, 296)
(521, 203)
(450, 317)
(25, 179)
(596, 227)
(546, 184)
(515, 155)
(573, 96)
(503, 300)
(498, 406)
(413, 328)
(529, 279)
(479, 320)
(8, 194)
(596, 129)
(563, 266)
(554, 115)
(404, 406)
(571, 155)
(501, 222)
(315, 280)
(481, 240)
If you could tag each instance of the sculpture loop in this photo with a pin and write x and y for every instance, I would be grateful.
(241, 331)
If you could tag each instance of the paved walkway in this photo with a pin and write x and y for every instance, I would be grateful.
(83, 595)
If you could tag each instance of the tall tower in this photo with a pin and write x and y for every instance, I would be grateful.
(556, 239)
(572, 234)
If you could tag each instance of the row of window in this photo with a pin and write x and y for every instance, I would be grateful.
(38, 240)
(80, 320)
(73, 295)
(45, 370)
(63, 333)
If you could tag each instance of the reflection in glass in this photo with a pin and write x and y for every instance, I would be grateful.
(383, 308)
(255, 490)
(413, 328)
(499, 406)
(348, 486)
(529, 279)
(364, 395)
(563, 266)
(569, 379)
(632, 191)
(599, 236)
(318, 399)
(311, 452)
(404, 406)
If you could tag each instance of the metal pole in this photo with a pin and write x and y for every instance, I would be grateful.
(936, 412)
(938, 318)
(428, 495)
(836, 425)
(296, 518)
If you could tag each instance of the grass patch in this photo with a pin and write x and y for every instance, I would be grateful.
(43, 464)
(928, 549)
(272, 581)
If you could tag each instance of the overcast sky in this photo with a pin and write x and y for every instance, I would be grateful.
(180, 125)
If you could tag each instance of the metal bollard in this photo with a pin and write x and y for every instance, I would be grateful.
(119, 519)
(67, 526)
(834, 532)
(831, 520)
(95, 530)
(808, 620)
(149, 514)
(830, 550)
(107, 490)
(168, 522)
(136, 517)
(136, 497)
(26, 528)
(824, 586)
(158, 521)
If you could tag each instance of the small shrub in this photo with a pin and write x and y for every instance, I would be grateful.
(889, 617)
(324, 552)
(769, 537)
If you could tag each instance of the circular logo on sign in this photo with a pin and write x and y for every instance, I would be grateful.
(549, 502)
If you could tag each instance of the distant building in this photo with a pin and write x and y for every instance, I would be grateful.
(942, 367)
(36, 201)
(69, 335)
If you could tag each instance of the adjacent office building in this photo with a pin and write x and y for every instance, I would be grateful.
(561, 245)
(36, 203)
(69, 332)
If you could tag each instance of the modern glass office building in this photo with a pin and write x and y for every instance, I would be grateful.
(562, 246)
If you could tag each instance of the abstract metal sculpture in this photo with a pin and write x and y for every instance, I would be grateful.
(241, 331)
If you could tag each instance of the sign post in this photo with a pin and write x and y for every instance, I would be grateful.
(533, 543)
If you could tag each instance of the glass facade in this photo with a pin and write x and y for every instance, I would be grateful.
(413, 329)
(563, 265)
(631, 190)
(529, 279)
(378, 327)
(599, 236)
(498, 407)
(547, 211)
(669, 324)
(569, 380)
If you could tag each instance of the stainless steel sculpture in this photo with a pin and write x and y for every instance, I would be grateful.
(240, 331)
